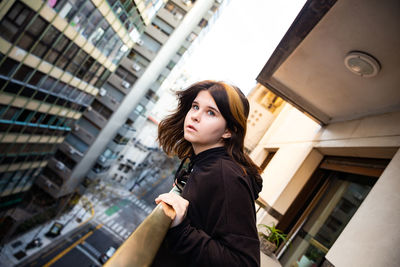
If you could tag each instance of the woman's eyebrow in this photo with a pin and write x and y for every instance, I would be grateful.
(209, 107)
(214, 109)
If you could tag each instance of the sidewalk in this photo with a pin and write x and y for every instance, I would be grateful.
(16, 248)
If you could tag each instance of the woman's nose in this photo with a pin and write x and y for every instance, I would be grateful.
(195, 115)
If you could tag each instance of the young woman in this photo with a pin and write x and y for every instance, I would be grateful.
(215, 222)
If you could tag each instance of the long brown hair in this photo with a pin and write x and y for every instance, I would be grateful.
(233, 106)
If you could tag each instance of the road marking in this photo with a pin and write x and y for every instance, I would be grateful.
(114, 226)
(65, 251)
(90, 248)
(86, 253)
(123, 232)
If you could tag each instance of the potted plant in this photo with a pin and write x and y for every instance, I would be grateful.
(270, 238)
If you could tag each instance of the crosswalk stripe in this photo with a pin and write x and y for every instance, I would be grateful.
(123, 232)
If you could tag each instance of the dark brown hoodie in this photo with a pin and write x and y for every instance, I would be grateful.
(220, 226)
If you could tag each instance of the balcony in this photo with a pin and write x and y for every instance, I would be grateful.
(59, 168)
(105, 162)
(96, 118)
(92, 175)
(48, 186)
(109, 102)
(85, 136)
(168, 17)
(115, 147)
(133, 116)
(126, 131)
(131, 67)
(117, 83)
(141, 49)
(157, 34)
(73, 153)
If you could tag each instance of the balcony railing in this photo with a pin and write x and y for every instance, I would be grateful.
(141, 247)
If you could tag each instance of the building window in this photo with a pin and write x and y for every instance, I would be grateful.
(171, 64)
(138, 59)
(77, 143)
(65, 159)
(121, 140)
(8, 67)
(52, 176)
(181, 50)
(15, 21)
(32, 33)
(178, 12)
(161, 78)
(125, 75)
(113, 92)
(151, 44)
(191, 37)
(203, 23)
(89, 127)
(162, 26)
(101, 109)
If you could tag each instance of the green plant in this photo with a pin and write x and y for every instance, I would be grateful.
(272, 234)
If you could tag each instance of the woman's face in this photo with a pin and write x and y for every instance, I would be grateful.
(204, 125)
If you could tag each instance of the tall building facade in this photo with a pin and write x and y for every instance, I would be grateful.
(153, 107)
(105, 128)
(55, 56)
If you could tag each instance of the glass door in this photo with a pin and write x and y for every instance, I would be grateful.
(331, 210)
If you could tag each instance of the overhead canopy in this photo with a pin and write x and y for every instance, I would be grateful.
(307, 68)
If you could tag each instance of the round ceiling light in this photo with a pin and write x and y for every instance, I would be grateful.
(362, 64)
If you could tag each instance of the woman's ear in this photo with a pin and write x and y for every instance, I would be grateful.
(227, 134)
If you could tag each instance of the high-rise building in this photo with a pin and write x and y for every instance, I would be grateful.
(54, 58)
(157, 103)
(105, 128)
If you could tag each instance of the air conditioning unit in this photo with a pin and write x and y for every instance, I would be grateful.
(72, 151)
(140, 42)
(102, 158)
(136, 67)
(178, 16)
(102, 92)
(60, 165)
(126, 84)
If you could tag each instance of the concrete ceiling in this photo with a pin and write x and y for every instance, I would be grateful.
(307, 68)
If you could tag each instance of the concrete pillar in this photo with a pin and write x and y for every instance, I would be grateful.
(372, 237)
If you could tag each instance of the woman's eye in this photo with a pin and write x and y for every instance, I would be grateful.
(196, 107)
(211, 113)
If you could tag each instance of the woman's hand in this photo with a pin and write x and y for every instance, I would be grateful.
(178, 203)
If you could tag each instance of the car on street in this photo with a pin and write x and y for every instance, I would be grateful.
(35, 243)
(105, 256)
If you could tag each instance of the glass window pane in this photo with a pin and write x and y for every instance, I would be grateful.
(37, 27)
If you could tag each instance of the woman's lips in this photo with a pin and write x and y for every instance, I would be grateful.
(191, 127)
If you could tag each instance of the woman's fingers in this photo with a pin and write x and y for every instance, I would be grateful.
(178, 203)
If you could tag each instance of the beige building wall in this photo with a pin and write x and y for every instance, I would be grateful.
(300, 145)
(258, 122)
(264, 108)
